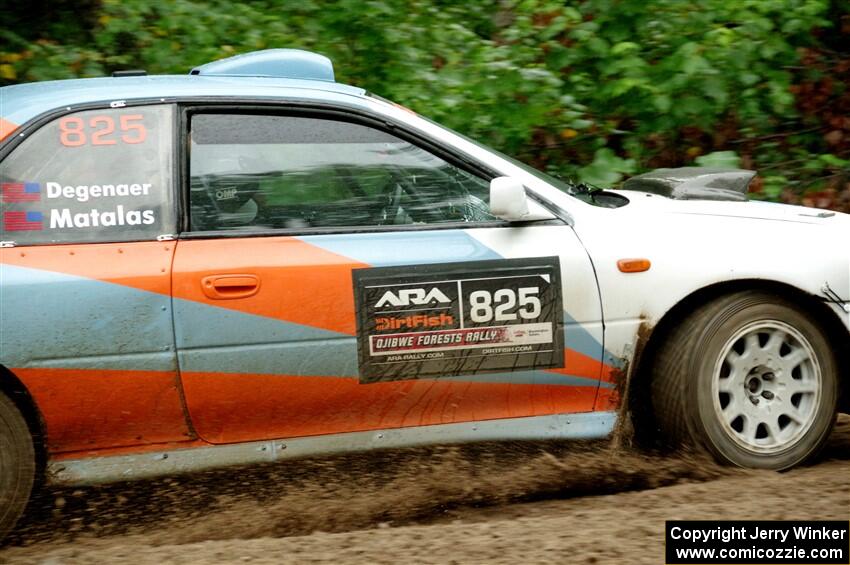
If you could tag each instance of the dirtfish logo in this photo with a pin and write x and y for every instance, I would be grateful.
(408, 296)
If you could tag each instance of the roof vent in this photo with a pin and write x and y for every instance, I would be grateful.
(281, 63)
(694, 183)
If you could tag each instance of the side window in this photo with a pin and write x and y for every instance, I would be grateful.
(92, 176)
(273, 172)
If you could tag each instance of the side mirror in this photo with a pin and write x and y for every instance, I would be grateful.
(508, 200)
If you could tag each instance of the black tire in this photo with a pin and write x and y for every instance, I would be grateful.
(17, 465)
(726, 380)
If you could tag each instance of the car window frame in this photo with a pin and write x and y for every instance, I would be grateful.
(26, 130)
(337, 113)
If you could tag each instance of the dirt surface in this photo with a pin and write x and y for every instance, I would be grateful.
(515, 503)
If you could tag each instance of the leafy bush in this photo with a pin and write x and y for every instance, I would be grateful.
(594, 89)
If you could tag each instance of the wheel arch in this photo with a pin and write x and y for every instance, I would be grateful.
(639, 404)
(17, 392)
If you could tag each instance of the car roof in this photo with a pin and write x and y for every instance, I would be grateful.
(20, 103)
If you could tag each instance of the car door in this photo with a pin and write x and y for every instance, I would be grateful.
(85, 282)
(335, 277)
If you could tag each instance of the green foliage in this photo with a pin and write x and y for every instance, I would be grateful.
(606, 169)
(719, 159)
(594, 89)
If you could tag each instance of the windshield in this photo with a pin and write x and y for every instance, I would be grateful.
(560, 184)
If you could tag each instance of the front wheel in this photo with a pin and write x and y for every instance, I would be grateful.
(17, 465)
(751, 378)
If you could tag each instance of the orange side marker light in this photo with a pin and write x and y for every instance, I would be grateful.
(638, 265)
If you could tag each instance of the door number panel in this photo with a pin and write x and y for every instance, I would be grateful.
(435, 320)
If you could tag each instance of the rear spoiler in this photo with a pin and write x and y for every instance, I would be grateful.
(694, 183)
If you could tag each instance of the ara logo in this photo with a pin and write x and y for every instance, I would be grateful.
(410, 296)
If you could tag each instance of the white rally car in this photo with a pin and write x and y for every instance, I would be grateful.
(253, 261)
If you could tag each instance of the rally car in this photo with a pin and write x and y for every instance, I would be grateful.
(253, 261)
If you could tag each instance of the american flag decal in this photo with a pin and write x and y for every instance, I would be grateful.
(22, 221)
(21, 191)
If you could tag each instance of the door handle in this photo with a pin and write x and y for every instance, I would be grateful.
(229, 287)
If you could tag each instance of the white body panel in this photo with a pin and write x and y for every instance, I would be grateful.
(695, 244)
(692, 244)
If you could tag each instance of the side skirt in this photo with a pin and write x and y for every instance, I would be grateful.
(101, 470)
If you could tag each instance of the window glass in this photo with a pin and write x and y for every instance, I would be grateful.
(98, 175)
(278, 172)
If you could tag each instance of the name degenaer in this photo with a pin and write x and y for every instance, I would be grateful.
(84, 192)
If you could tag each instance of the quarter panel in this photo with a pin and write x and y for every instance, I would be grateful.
(88, 330)
(691, 251)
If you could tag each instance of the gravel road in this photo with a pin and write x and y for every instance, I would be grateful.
(506, 503)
